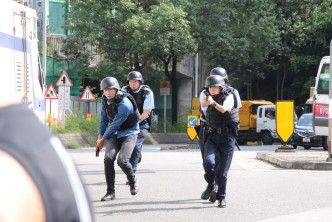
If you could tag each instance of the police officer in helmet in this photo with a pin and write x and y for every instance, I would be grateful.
(221, 117)
(212, 188)
(120, 111)
(144, 99)
(222, 72)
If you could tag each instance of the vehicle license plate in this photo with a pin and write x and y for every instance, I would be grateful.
(306, 139)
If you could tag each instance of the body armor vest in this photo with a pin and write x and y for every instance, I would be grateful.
(216, 119)
(140, 96)
(139, 99)
(229, 90)
(112, 110)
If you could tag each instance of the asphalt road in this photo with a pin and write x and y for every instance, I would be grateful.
(171, 182)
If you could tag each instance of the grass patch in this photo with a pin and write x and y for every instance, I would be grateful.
(73, 145)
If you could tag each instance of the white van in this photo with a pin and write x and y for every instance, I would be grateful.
(321, 100)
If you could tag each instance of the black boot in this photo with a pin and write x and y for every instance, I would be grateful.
(213, 195)
(108, 196)
(206, 194)
(222, 203)
(133, 185)
(109, 176)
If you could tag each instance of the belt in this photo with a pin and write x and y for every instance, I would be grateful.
(224, 130)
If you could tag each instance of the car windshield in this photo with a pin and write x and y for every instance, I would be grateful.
(305, 120)
(324, 79)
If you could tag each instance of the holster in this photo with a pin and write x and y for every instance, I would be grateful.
(197, 128)
(205, 133)
(235, 129)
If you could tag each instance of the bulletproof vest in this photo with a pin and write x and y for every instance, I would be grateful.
(139, 99)
(140, 96)
(230, 90)
(112, 110)
(46, 161)
(216, 119)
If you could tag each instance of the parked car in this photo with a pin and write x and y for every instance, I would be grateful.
(304, 134)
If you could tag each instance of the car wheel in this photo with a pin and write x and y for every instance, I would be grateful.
(324, 143)
(307, 147)
(267, 138)
(294, 146)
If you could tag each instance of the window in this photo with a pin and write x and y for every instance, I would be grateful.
(324, 79)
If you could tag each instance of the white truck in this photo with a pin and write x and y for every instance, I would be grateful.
(21, 76)
(257, 122)
(321, 101)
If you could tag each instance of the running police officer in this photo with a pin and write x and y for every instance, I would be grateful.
(143, 96)
(120, 110)
(212, 189)
(221, 119)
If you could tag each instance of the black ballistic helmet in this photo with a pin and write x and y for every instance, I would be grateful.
(215, 80)
(219, 71)
(109, 83)
(135, 75)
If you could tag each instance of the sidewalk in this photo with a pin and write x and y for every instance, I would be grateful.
(308, 160)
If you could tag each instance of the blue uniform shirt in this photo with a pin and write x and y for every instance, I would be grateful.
(201, 98)
(149, 99)
(124, 109)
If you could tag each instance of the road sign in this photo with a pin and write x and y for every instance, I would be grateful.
(64, 97)
(195, 107)
(64, 80)
(87, 95)
(51, 93)
(165, 88)
(192, 122)
(285, 120)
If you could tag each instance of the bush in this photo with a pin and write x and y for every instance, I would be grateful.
(76, 123)
(179, 127)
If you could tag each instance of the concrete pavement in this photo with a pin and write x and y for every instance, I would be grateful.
(288, 159)
(305, 160)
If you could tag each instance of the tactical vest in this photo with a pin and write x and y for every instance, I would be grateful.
(139, 98)
(216, 119)
(229, 90)
(112, 110)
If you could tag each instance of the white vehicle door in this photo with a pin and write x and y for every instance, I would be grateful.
(266, 118)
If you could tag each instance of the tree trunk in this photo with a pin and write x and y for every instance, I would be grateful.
(277, 85)
(174, 92)
(283, 78)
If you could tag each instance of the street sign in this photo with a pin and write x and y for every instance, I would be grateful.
(64, 97)
(165, 88)
(195, 107)
(192, 122)
(64, 80)
(87, 95)
(51, 93)
(285, 120)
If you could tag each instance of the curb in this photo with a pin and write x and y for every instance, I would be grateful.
(294, 164)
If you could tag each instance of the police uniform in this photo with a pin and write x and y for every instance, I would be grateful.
(120, 137)
(46, 161)
(220, 140)
(145, 101)
(237, 104)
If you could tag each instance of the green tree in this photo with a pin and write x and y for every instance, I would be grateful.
(163, 33)
(296, 19)
(131, 34)
(238, 35)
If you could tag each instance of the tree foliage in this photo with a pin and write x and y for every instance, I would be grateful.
(270, 48)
